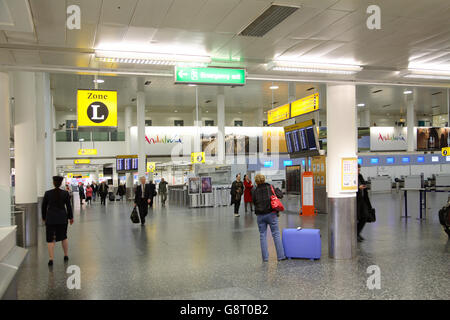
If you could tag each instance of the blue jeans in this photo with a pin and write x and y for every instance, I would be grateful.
(270, 219)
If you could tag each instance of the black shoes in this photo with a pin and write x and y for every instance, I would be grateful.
(50, 263)
(360, 239)
(66, 258)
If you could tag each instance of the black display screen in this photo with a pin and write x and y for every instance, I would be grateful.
(301, 140)
(120, 164)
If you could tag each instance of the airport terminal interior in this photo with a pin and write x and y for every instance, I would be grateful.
(343, 106)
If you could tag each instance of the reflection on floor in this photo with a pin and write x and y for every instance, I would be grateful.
(209, 254)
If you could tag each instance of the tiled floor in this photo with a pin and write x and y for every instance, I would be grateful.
(209, 254)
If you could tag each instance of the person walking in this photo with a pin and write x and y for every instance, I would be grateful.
(142, 198)
(121, 191)
(94, 191)
(363, 205)
(103, 192)
(81, 193)
(237, 189)
(89, 193)
(266, 216)
(248, 187)
(56, 214)
(69, 190)
(162, 189)
(152, 193)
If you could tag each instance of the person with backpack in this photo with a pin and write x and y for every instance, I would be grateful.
(267, 216)
(56, 214)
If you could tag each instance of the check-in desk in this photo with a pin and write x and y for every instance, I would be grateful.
(381, 184)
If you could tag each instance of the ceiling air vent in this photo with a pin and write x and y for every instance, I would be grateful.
(268, 20)
(433, 94)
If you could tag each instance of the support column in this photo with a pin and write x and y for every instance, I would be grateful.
(26, 151)
(221, 125)
(44, 135)
(410, 121)
(342, 142)
(197, 123)
(291, 92)
(141, 133)
(365, 117)
(5, 170)
(259, 117)
(448, 108)
(129, 176)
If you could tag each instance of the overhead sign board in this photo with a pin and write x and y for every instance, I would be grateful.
(151, 166)
(305, 105)
(197, 157)
(278, 114)
(216, 76)
(82, 161)
(87, 152)
(97, 109)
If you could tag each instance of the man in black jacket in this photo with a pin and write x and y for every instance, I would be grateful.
(363, 205)
(103, 191)
(152, 192)
(142, 198)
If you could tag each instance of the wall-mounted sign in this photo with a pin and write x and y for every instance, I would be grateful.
(278, 114)
(305, 105)
(349, 174)
(87, 152)
(97, 109)
(220, 76)
(388, 139)
(151, 166)
(307, 194)
(81, 161)
(446, 151)
(69, 175)
(433, 139)
(197, 157)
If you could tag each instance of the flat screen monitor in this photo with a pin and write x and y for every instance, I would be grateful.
(360, 161)
(302, 139)
(107, 171)
(120, 164)
(405, 159)
(374, 160)
(420, 159)
(390, 160)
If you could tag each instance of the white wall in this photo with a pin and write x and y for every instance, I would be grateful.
(104, 149)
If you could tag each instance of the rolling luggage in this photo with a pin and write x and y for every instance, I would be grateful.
(112, 197)
(302, 243)
(444, 218)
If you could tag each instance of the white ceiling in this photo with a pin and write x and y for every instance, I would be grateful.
(34, 35)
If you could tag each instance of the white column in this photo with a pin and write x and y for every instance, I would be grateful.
(342, 142)
(44, 134)
(410, 121)
(53, 134)
(197, 123)
(5, 170)
(259, 117)
(221, 125)
(141, 132)
(128, 115)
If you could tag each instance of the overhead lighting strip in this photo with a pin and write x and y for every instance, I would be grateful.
(416, 73)
(151, 58)
(306, 67)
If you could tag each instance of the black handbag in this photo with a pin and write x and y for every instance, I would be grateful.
(135, 216)
(371, 216)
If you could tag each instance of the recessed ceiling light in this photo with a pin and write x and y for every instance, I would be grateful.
(98, 80)
(192, 85)
(176, 111)
(407, 92)
(273, 87)
(361, 104)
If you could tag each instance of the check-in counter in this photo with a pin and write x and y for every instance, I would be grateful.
(443, 179)
(381, 184)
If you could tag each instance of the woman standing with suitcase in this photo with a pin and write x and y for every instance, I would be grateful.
(248, 186)
(267, 216)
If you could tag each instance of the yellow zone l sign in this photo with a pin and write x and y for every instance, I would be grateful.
(87, 152)
(198, 157)
(151, 166)
(82, 161)
(446, 151)
(97, 108)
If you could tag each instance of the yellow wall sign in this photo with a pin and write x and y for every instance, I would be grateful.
(445, 151)
(97, 108)
(82, 161)
(87, 152)
(151, 166)
(69, 175)
(278, 114)
(197, 157)
(305, 105)
(300, 125)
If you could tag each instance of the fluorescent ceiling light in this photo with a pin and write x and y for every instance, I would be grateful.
(151, 58)
(273, 87)
(313, 67)
(425, 73)
(361, 104)
(407, 92)
(98, 80)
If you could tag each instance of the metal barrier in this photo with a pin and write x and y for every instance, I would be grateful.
(26, 219)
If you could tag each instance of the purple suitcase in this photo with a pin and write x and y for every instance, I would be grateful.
(303, 243)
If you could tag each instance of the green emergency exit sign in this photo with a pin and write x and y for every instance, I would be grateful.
(215, 76)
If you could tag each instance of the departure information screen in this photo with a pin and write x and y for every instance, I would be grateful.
(126, 163)
(120, 164)
(301, 140)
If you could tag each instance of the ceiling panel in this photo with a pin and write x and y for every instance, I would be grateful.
(211, 14)
(50, 21)
(6, 57)
(107, 34)
(151, 13)
(16, 16)
(26, 57)
(182, 13)
(351, 5)
(117, 12)
(66, 59)
(342, 25)
(20, 37)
